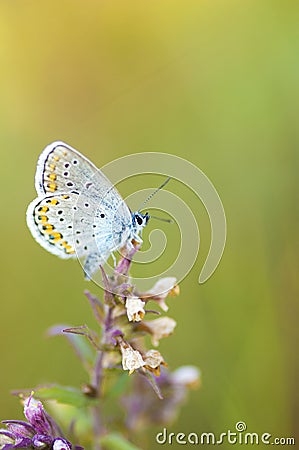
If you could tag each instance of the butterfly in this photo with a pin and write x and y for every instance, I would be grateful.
(78, 213)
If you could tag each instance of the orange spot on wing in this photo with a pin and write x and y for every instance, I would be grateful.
(43, 209)
(48, 228)
(43, 218)
(68, 248)
(53, 201)
(52, 187)
(55, 237)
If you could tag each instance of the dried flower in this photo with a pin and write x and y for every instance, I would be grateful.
(164, 287)
(153, 361)
(160, 328)
(131, 359)
(135, 309)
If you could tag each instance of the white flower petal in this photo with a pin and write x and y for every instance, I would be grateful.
(135, 309)
(131, 359)
(163, 287)
(160, 328)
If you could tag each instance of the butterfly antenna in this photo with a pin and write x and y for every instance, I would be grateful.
(162, 219)
(154, 193)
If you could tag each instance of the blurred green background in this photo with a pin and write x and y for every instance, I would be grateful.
(214, 82)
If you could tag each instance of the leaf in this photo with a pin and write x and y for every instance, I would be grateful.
(81, 346)
(97, 307)
(64, 394)
(84, 330)
(150, 378)
(115, 441)
(108, 296)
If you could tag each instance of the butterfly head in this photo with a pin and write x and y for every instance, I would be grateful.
(139, 220)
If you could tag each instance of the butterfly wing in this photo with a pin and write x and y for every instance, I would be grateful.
(61, 168)
(50, 220)
(78, 211)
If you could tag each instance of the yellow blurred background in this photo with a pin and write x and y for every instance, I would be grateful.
(214, 82)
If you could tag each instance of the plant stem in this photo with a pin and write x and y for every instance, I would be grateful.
(98, 429)
(97, 377)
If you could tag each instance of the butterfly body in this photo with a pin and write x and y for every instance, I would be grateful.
(78, 212)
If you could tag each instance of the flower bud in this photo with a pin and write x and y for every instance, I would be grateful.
(61, 444)
(35, 414)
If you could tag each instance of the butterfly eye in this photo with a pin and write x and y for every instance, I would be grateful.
(139, 220)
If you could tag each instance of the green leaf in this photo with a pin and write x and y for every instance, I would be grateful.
(115, 441)
(64, 394)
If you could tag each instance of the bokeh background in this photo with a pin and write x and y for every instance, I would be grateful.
(213, 82)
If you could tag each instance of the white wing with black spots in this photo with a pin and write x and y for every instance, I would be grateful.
(78, 212)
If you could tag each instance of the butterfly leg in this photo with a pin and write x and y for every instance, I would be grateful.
(137, 238)
(114, 260)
